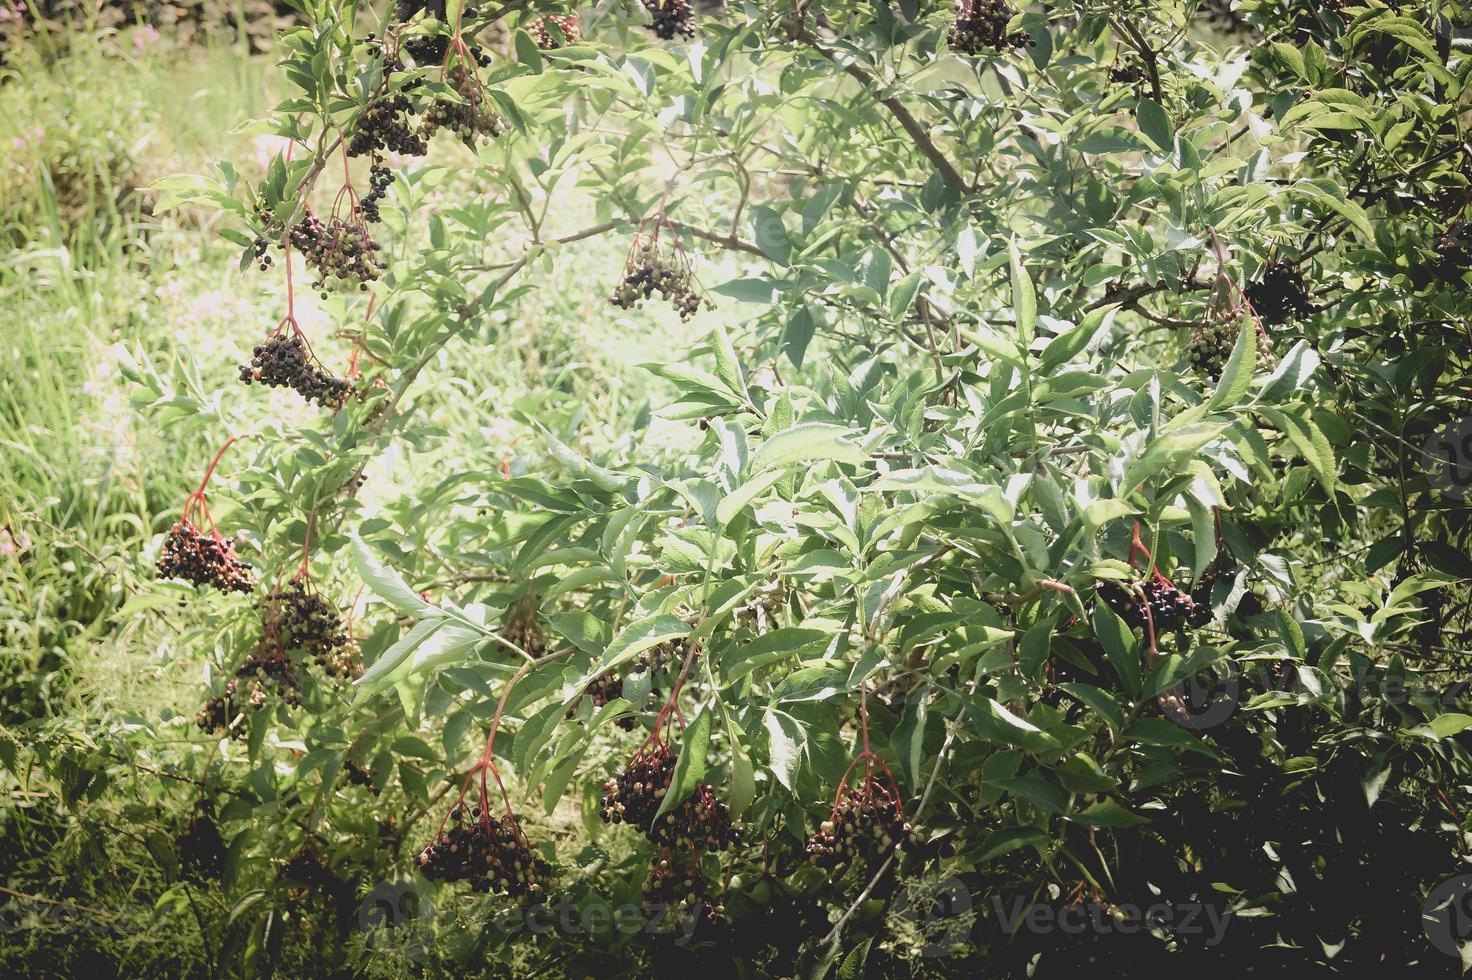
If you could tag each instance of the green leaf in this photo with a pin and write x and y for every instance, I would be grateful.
(784, 747)
(996, 722)
(1237, 375)
(1119, 644)
(1108, 813)
(770, 234)
(690, 767)
(634, 639)
(807, 442)
(386, 583)
(1444, 726)
(1024, 297)
(1155, 125)
(736, 501)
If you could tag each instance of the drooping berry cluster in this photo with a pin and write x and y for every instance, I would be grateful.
(634, 795)
(202, 558)
(983, 24)
(670, 18)
(867, 822)
(678, 888)
(283, 361)
(543, 32)
(267, 673)
(470, 118)
(380, 179)
(493, 855)
(1157, 605)
(301, 620)
(650, 269)
(701, 823)
(1278, 295)
(387, 125)
(341, 250)
(1131, 75)
(609, 686)
(432, 49)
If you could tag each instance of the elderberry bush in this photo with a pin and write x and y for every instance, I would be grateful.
(203, 559)
(266, 675)
(282, 361)
(982, 24)
(1169, 608)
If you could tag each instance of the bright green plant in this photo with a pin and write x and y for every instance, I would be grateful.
(1079, 361)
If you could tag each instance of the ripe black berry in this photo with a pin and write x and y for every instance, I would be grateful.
(492, 854)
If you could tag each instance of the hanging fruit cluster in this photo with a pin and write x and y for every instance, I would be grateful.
(982, 24)
(679, 887)
(284, 360)
(1454, 252)
(670, 18)
(492, 855)
(694, 825)
(1278, 294)
(202, 558)
(266, 675)
(195, 551)
(340, 249)
(651, 268)
(304, 622)
(545, 31)
(660, 661)
(867, 822)
(470, 118)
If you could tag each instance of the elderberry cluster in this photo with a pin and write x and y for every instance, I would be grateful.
(983, 24)
(678, 888)
(1210, 345)
(634, 795)
(1162, 606)
(651, 269)
(202, 559)
(282, 361)
(386, 125)
(380, 178)
(1131, 75)
(701, 822)
(1278, 295)
(469, 119)
(305, 621)
(431, 49)
(201, 848)
(546, 39)
(609, 686)
(670, 18)
(340, 251)
(265, 674)
(865, 826)
(493, 855)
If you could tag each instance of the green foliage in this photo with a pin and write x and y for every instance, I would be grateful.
(997, 468)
